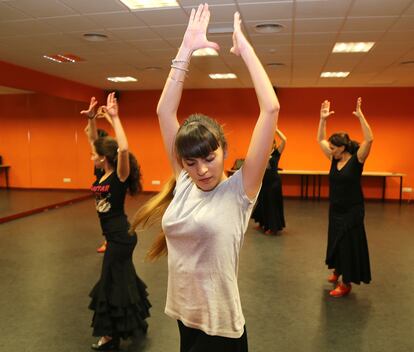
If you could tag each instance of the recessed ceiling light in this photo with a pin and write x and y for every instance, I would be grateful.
(275, 64)
(122, 79)
(63, 58)
(222, 76)
(53, 58)
(409, 62)
(152, 68)
(334, 74)
(268, 27)
(95, 37)
(205, 52)
(357, 47)
(147, 4)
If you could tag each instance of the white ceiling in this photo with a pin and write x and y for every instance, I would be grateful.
(139, 40)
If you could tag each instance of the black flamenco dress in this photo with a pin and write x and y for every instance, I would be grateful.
(119, 298)
(347, 250)
(269, 211)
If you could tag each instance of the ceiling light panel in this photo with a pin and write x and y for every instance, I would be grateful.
(353, 47)
(222, 76)
(149, 4)
(122, 79)
(334, 74)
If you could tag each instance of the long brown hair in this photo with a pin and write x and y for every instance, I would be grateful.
(108, 147)
(197, 137)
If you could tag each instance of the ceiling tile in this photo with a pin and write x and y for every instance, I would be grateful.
(322, 9)
(134, 33)
(403, 24)
(95, 6)
(359, 36)
(315, 38)
(162, 17)
(368, 24)
(41, 9)
(21, 28)
(8, 13)
(378, 8)
(67, 23)
(266, 11)
(116, 20)
(173, 31)
(305, 25)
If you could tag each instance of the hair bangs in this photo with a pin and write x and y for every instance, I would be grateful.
(195, 141)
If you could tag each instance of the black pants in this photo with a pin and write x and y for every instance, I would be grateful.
(193, 340)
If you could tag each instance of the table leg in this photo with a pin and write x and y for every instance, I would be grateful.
(301, 186)
(307, 184)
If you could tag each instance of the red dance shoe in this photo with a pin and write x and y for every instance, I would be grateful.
(341, 290)
(333, 278)
(102, 248)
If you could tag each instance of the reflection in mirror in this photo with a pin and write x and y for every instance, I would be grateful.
(37, 167)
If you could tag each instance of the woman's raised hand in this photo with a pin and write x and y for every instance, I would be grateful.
(195, 36)
(90, 113)
(240, 42)
(111, 107)
(358, 112)
(325, 110)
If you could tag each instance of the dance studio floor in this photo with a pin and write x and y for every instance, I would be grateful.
(48, 264)
(19, 201)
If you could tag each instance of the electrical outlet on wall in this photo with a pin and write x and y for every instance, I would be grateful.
(155, 182)
(407, 189)
(67, 180)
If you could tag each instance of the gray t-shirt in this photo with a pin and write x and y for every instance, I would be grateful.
(204, 232)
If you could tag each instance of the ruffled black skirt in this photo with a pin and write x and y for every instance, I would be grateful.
(269, 212)
(119, 298)
(347, 250)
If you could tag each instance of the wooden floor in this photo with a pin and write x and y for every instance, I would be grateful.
(48, 265)
(15, 203)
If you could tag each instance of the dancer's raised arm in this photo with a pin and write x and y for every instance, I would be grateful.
(90, 129)
(365, 146)
(111, 109)
(321, 137)
(262, 138)
(281, 146)
(195, 38)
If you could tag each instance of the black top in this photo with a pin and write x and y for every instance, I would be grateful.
(345, 189)
(274, 160)
(110, 197)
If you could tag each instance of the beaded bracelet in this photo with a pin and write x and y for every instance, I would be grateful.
(180, 68)
(174, 61)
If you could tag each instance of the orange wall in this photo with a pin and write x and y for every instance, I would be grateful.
(57, 147)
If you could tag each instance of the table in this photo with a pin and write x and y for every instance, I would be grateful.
(317, 177)
(5, 168)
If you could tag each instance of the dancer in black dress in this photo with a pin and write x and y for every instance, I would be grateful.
(92, 137)
(269, 211)
(347, 250)
(119, 298)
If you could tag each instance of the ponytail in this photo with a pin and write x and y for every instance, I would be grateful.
(352, 147)
(134, 178)
(151, 212)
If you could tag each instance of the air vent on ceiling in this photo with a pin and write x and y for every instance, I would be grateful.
(268, 27)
